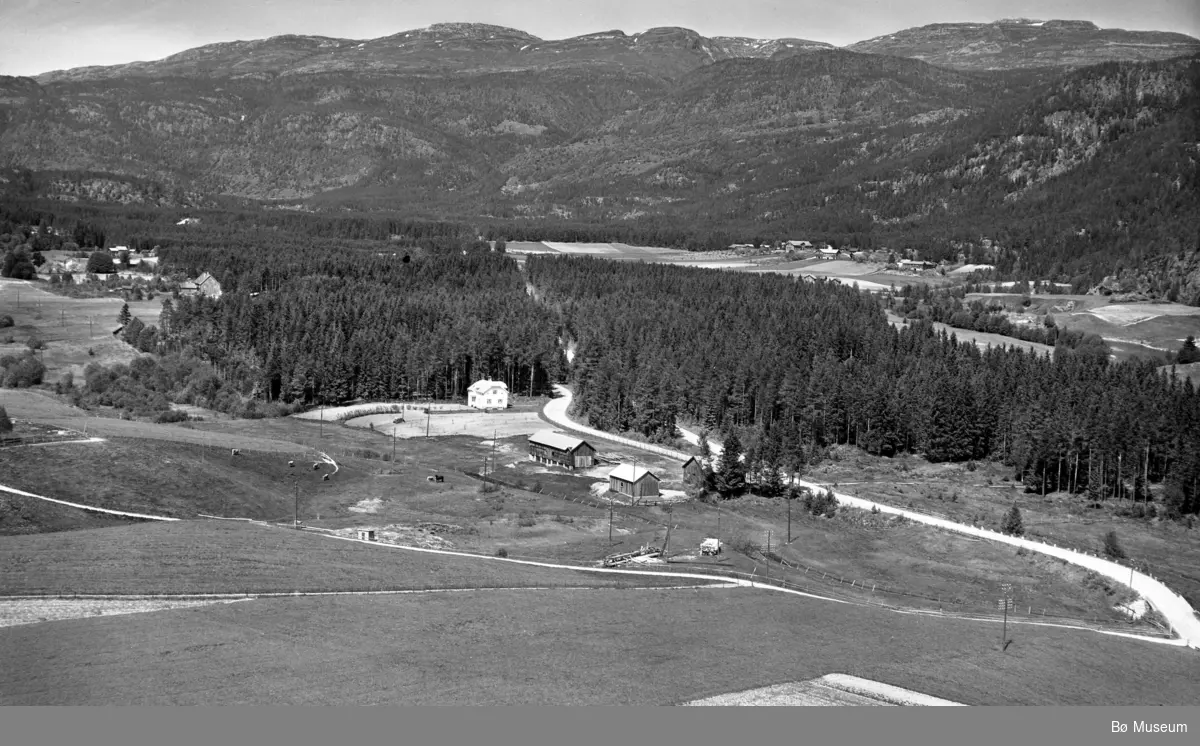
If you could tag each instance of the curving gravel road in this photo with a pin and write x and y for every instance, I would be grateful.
(1177, 611)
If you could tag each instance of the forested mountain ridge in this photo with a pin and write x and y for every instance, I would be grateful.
(665, 134)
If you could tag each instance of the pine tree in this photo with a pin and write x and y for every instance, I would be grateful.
(124, 316)
(1012, 523)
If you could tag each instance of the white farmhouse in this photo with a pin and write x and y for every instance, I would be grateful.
(488, 394)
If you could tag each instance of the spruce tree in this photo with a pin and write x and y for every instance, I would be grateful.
(1112, 547)
(1012, 523)
(124, 316)
(731, 472)
(1188, 353)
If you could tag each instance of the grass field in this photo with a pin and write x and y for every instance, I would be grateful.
(43, 407)
(1141, 330)
(530, 518)
(207, 556)
(1169, 551)
(71, 327)
(981, 339)
(564, 647)
(147, 476)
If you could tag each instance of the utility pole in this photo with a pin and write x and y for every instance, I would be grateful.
(1005, 602)
(393, 446)
(610, 518)
(296, 519)
(494, 432)
(428, 416)
(789, 504)
(768, 541)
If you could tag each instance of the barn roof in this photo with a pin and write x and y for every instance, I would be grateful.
(484, 385)
(556, 440)
(631, 473)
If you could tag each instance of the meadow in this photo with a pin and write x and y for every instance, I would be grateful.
(210, 556)
(77, 331)
(597, 646)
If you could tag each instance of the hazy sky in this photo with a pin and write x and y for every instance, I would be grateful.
(43, 35)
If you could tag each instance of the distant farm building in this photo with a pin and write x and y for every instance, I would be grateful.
(916, 264)
(800, 244)
(549, 447)
(633, 481)
(366, 534)
(488, 394)
(828, 252)
(205, 284)
(693, 470)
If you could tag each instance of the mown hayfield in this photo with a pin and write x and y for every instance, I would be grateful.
(77, 331)
(1169, 551)
(981, 339)
(43, 407)
(236, 557)
(565, 647)
(154, 477)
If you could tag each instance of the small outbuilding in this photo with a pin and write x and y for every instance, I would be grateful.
(366, 534)
(549, 447)
(634, 481)
(488, 394)
(693, 471)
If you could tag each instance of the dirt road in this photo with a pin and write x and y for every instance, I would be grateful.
(1175, 608)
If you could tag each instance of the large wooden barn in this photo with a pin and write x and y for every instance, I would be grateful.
(549, 447)
(634, 481)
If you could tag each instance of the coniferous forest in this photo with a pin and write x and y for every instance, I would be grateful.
(795, 367)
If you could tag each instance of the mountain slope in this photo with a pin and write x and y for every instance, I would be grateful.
(1024, 43)
(446, 48)
(1069, 170)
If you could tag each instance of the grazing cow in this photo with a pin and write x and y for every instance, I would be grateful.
(235, 452)
(325, 478)
(291, 463)
(316, 466)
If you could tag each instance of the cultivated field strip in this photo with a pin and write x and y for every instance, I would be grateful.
(1182, 618)
(747, 583)
(35, 609)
